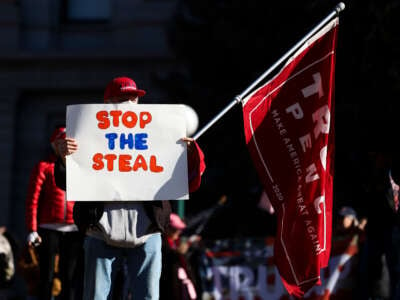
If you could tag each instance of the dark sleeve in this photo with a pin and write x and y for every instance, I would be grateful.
(60, 174)
(87, 214)
(158, 213)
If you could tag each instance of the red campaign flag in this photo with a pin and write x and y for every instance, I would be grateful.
(289, 129)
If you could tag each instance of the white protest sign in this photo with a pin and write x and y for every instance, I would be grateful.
(127, 152)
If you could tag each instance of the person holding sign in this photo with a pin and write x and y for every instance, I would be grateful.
(124, 231)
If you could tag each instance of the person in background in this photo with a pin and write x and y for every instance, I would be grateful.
(348, 237)
(348, 232)
(119, 232)
(177, 279)
(51, 227)
(347, 221)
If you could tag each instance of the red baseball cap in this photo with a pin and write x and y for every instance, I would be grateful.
(122, 86)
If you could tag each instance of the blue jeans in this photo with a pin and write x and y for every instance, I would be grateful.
(102, 262)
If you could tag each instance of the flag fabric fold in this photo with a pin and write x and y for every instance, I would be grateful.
(289, 129)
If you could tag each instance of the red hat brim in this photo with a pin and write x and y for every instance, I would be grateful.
(139, 93)
(127, 91)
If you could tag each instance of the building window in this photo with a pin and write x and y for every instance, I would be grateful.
(87, 10)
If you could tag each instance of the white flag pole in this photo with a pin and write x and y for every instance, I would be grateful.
(238, 99)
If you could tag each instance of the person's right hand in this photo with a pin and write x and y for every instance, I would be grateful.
(65, 146)
(34, 239)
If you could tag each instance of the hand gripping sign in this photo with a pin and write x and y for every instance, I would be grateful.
(127, 152)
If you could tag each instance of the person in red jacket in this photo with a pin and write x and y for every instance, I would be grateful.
(50, 226)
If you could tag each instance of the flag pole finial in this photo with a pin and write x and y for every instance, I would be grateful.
(340, 7)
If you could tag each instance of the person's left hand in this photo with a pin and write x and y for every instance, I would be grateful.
(189, 142)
